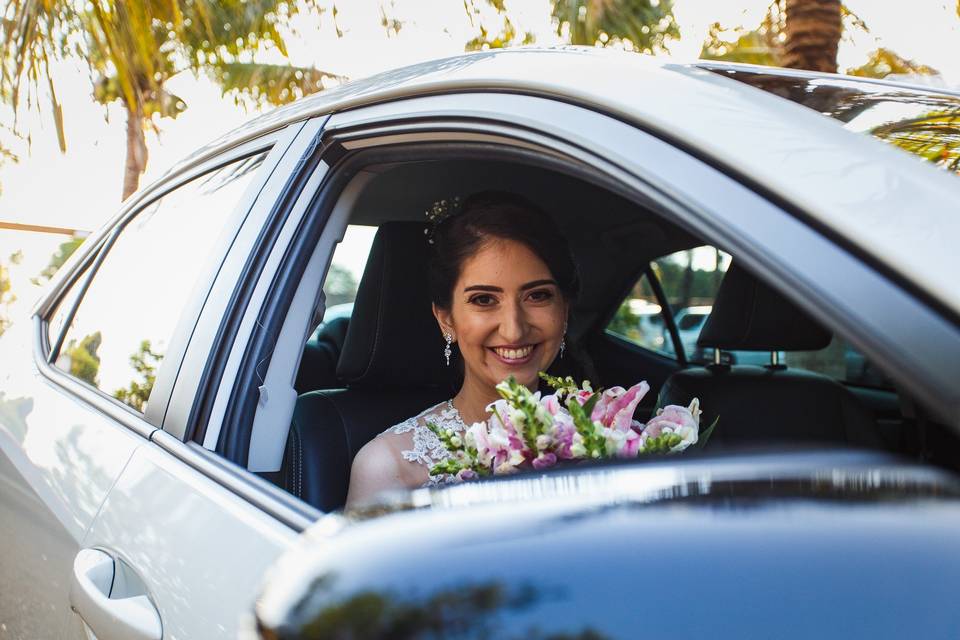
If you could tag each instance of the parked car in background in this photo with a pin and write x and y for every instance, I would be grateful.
(166, 433)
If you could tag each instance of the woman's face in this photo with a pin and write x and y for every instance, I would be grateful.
(507, 315)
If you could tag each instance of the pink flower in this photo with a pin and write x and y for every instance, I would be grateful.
(583, 395)
(618, 409)
(606, 400)
(467, 474)
(544, 460)
(551, 403)
(622, 444)
(683, 421)
(566, 441)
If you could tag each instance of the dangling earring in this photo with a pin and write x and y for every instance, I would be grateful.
(447, 351)
(563, 341)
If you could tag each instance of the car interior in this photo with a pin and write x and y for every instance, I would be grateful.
(380, 362)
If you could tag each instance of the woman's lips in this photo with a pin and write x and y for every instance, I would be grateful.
(514, 356)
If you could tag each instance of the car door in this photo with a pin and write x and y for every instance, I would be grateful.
(189, 530)
(85, 386)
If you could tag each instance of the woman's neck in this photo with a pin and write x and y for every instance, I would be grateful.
(472, 400)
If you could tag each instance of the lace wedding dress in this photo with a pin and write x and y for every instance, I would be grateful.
(426, 448)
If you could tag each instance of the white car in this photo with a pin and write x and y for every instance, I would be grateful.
(155, 455)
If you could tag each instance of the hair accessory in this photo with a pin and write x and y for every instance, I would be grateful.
(438, 212)
(447, 351)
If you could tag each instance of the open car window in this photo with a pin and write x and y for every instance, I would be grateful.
(690, 280)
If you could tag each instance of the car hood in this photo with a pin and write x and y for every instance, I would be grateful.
(750, 545)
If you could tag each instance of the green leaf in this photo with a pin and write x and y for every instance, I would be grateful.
(705, 435)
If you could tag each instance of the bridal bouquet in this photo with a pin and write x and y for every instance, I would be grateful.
(573, 423)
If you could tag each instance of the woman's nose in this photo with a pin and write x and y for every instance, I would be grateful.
(513, 324)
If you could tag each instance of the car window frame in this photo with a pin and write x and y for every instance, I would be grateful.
(779, 241)
(82, 271)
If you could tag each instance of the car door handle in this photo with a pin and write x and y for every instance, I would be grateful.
(129, 614)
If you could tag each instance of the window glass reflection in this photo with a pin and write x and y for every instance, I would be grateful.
(124, 322)
(926, 124)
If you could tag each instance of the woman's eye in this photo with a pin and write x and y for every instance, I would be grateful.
(541, 295)
(483, 299)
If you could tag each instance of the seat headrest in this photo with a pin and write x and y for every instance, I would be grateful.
(393, 339)
(750, 316)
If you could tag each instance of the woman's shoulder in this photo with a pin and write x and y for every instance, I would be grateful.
(438, 414)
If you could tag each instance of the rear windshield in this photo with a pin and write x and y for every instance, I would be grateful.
(924, 123)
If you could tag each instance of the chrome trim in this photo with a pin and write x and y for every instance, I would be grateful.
(273, 501)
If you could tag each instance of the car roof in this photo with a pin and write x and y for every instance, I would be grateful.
(882, 201)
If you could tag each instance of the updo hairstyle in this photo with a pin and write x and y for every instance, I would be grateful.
(489, 215)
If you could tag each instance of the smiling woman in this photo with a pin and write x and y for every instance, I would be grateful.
(501, 281)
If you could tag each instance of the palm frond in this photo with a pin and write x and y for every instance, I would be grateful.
(271, 84)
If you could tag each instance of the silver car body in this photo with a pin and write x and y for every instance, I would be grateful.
(79, 471)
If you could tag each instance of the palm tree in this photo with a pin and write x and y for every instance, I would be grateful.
(134, 47)
(637, 25)
(812, 29)
(641, 25)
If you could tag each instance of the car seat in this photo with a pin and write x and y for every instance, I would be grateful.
(773, 403)
(391, 364)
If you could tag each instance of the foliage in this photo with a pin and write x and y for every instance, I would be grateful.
(884, 62)
(270, 84)
(145, 362)
(63, 253)
(506, 35)
(6, 295)
(636, 25)
(625, 322)
(84, 362)
(764, 44)
(132, 49)
(934, 136)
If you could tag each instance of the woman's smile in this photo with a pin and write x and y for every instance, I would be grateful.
(514, 355)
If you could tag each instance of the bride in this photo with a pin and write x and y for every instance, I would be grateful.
(501, 279)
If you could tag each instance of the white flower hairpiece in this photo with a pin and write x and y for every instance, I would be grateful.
(438, 212)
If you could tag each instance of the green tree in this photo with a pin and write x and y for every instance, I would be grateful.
(636, 25)
(82, 358)
(145, 362)
(62, 254)
(134, 48)
(766, 44)
(883, 62)
(7, 296)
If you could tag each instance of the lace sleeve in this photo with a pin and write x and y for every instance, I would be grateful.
(427, 449)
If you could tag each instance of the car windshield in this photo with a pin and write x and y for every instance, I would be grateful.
(924, 123)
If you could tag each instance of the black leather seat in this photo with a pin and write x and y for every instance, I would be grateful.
(767, 404)
(318, 366)
(392, 365)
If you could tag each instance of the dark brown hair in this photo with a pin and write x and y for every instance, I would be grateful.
(507, 216)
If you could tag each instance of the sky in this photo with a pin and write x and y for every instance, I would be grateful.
(81, 189)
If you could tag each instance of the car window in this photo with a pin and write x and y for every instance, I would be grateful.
(639, 319)
(690, 280)
(119, 334)
(346, 268)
